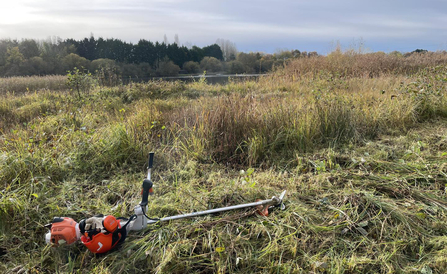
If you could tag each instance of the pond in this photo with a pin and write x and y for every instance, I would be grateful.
(212, 79)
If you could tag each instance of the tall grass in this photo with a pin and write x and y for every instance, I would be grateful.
(353, 64)
(22, 84)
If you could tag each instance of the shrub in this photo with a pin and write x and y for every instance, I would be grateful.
(235, 67)
(79, 81)
(191, 67)
(73, 61)
(167, 68)
(210, 64)
(103, 63)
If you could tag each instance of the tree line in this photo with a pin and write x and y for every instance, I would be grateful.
(140, 60)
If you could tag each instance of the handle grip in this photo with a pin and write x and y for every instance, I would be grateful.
(146, 190)
(151, 159)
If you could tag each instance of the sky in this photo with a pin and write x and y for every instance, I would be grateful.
(261, 25)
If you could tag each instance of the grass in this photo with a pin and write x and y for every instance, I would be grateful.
(351, 63)
(23, 84)
(363, 158)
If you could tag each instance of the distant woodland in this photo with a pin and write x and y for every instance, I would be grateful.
(144, 59)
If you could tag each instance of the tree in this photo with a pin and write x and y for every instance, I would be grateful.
(87, 48)
(296, 53)
(213, 51)
(14, 59)
(145, 51)
(191, 67)
(29, 48)
(103, 63)
(267, 62)
(119, 51)
(196, 53)
(396, 53)
(130, 71)
(228, 48)
(79, 81)
(210, 64)
(52, 51)
(5, 44)
(73, 61)
(34, 66)
(285, 54)
(161, 52)
(167, 68)
(146, 70)
(235, 67)
(249, 60)
(176, 54)
(420, 51)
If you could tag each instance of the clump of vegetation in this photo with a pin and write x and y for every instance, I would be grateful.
(361, 155)
(191, 67)
(79, 81)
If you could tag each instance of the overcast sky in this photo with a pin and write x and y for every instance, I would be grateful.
(261, 25)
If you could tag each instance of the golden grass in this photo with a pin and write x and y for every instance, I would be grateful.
(352, 64)
(23, 84)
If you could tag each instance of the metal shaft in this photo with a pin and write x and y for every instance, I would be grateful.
(149, 173)
(150, 164)
(273, 201)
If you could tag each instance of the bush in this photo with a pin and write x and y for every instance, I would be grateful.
(73, 61)
(210, 64)
(235, 67)
(167, 68)
(103, 63)
(250, 61)
(80, 81)
(130, 71)
(191, 67)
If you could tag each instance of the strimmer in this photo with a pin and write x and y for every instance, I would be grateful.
(102, 233)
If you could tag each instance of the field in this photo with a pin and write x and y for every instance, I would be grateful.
(358, 141)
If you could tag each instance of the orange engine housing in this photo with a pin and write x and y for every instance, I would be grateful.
(103, 242)
(63, 230)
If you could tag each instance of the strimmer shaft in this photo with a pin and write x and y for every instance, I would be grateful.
(274, 201)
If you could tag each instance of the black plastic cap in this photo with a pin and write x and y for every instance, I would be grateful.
(151, 159)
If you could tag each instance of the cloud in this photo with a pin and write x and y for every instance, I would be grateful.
(253, 25)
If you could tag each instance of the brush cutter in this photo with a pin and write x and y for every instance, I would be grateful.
(102, 233)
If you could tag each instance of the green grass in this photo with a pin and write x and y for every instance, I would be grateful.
(363, 160)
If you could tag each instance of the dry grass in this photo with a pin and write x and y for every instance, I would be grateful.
(352, 64)
(19, 85)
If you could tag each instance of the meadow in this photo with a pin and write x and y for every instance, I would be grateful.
(359, 141)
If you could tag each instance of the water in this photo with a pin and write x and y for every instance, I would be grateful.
(212, 79)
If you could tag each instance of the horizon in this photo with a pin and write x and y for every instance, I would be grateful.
(253, 26)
